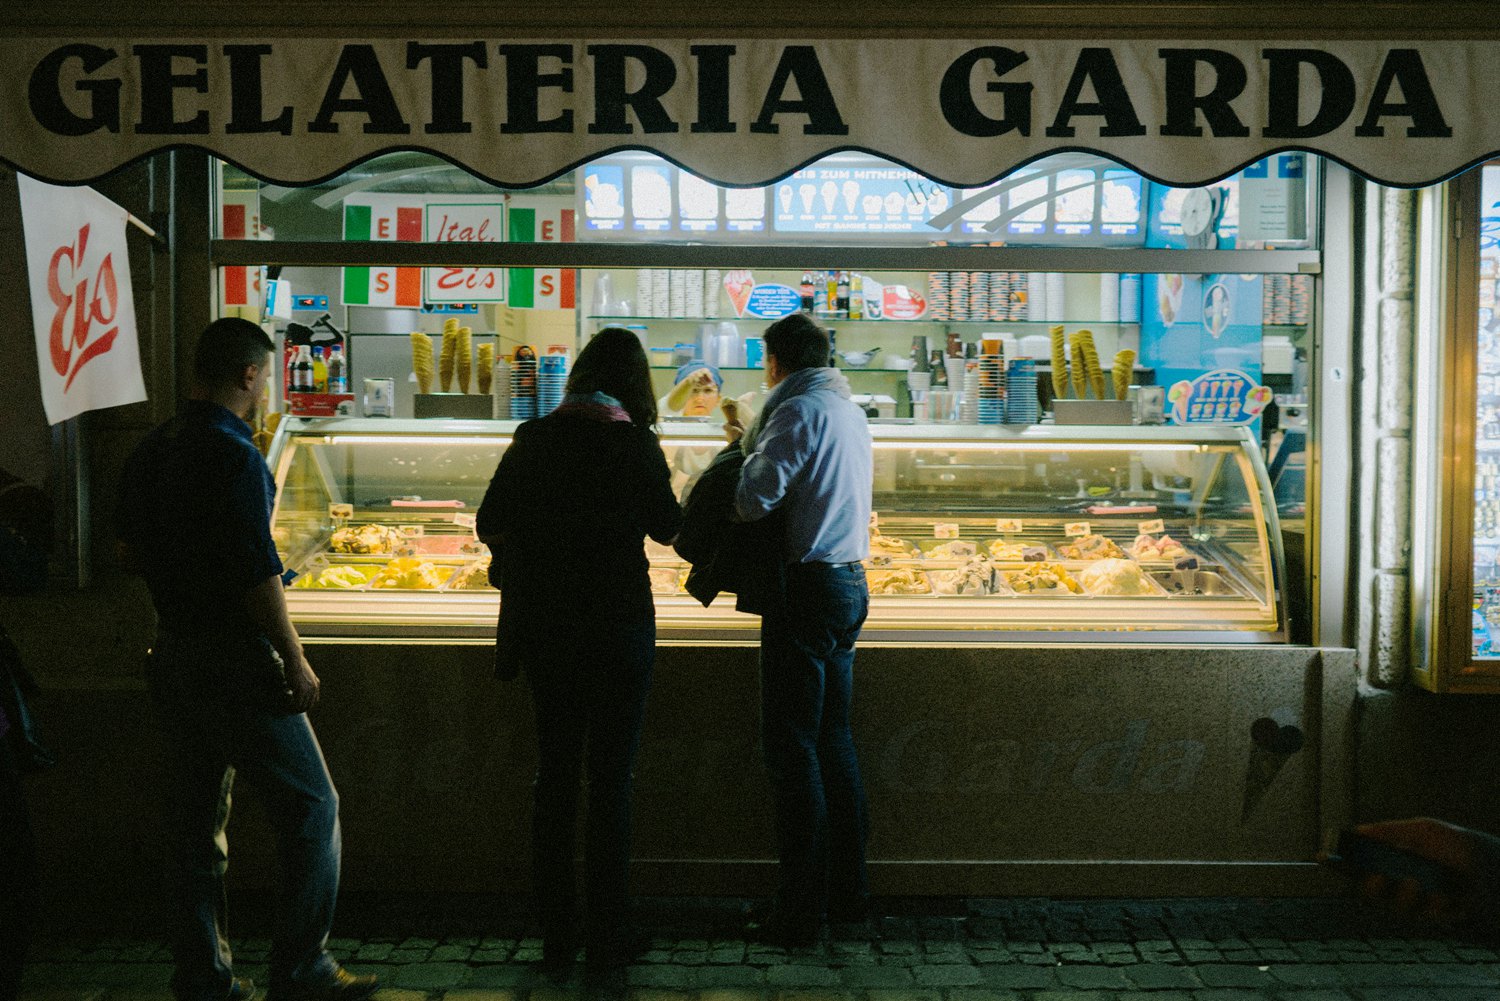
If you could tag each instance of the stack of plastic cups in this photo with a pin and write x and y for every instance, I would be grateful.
(500, 390)
(661, 292)
(992, 382)
(1036, 296)
(1057, 303)
(644, 279)
(523, 376)
(551, 377)
(713, 280)
(938, 285)
(1109, 298)
(692, 293)
(969, 409)
(1021, 406)
(677, 293)
(1130, 298)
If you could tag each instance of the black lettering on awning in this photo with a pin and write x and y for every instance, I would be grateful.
(44, 92)
(447, 81)
(1184, 102)
(611, 96)
(1284, 102)
(246, 94)
(956, 94)
(375, 101)
(524, 81)
(1097, 66)
(815, 95)
(1404, 68)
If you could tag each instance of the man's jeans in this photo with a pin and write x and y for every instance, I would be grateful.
(209, 741)
(807, 679)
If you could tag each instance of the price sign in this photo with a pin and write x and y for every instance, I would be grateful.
(341, 512)
(1008, 526)
(1074, 529)
(1151, 527)
(463, 520)
(411, 531)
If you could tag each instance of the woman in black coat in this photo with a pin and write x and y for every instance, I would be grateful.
(566, 517)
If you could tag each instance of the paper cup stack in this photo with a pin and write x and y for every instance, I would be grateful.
(999, 305)
(523, 373)
(969, 409)
(938, 307)
(958, 294)
(661, 292)
(979, 295)
(1109, 298)
(1036, 296)
(644, 281)
(1130, 298)
(551, 377)
(990, 402)
(1021, 405)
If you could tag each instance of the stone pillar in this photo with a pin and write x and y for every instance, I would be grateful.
(1384, 411)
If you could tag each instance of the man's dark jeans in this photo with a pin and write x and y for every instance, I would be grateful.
(807, 680)
(589, 700)
(209, 741)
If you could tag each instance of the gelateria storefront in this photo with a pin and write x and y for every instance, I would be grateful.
(1094, 297)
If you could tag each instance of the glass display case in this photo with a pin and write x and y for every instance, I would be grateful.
(980, 534)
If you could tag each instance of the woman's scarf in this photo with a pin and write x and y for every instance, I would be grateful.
(595, 406)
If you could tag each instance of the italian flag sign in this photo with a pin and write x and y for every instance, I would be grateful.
(383, 217)
(541, 219)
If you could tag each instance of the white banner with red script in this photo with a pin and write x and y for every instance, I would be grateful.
(82, 308)
(745, 111)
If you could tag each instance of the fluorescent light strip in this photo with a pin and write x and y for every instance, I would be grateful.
(935, 444)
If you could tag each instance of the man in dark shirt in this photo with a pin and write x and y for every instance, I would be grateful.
(228, 678)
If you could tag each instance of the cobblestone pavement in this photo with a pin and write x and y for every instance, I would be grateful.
(972, 950)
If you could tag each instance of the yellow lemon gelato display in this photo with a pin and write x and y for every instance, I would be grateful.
(408, 574)
(1115, 577)
(902, 581)
(342, 577)
(1042, 578)
(893, 548)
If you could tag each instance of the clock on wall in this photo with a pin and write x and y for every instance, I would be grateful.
(1202, 208)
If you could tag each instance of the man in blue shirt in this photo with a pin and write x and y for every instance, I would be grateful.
(808, 456)
(228, 678)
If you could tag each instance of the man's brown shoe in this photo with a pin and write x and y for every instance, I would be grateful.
(342, 986)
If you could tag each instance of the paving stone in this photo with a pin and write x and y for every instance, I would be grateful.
(1154, 996)
(730, 995)
(1200, 956)
(1156, 976)
(981, 994)
(1381, 974)
(1427, 994)
(482, 956)
(903, 994)
(451, 954)
(1278, 955)
(1025, 946)
(899, 948)
(821, 995)
(876, 976)
(1037, 959)
(991, 956)
(1220, 975)
(790, 975)
(669, 977)
(467, 994)
(1020, 977)
(373, 952)
(412, 943)
(729, 976)
(1072, 996)
(1314, 994)
(1307, 975)
(487, 977)
(1229, 994)
(1093, 978)
(722, 956)
(430, 976)
(1451, 974)
(947, 976)
(527, 954)
(690, 957)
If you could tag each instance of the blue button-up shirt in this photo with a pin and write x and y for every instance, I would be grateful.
(195, 507)
(812, 459)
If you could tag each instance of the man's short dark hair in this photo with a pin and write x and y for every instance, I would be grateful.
(797, 342)
(227, 347)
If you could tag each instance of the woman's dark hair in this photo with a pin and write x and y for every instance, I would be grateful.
(797, 343)
(614, 363)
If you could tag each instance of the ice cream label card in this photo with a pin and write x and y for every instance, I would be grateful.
(1223, 396)
(772, 302)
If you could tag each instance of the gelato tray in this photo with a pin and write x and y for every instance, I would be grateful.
(1212, 583)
